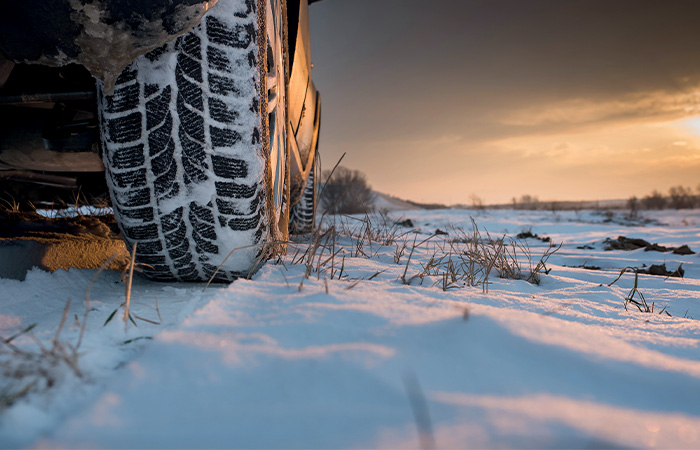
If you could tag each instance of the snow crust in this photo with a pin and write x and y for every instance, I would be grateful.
(343, 363)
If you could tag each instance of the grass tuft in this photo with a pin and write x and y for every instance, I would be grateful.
(450, 260)
(635, 297)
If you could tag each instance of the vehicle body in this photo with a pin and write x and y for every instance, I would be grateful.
(57, 125)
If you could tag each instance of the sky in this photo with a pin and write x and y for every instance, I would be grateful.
(440, 101)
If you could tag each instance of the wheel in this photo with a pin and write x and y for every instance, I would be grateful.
(195, 146)
(303, 213)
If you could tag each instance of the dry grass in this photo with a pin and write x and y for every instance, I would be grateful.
(10, 204)
(462, 258)
(469, 259)
(635, 297)
(127, 278)
(27, 371)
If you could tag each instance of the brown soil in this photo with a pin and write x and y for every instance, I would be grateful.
(29, 240)
(625, 243)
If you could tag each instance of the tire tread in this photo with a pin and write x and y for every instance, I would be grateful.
(155, 151)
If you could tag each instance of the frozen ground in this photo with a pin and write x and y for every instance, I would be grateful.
(367, 360)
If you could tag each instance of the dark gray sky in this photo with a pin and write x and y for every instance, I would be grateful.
(437, 100)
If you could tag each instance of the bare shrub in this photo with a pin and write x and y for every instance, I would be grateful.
(346, 192)
(476, 202)
(526, 202)
(681, 197)
(655, 200)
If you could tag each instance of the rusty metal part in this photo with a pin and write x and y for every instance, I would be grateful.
(45, 97)
(59, 181)
(23, 147)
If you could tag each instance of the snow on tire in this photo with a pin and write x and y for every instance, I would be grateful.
(187, 148)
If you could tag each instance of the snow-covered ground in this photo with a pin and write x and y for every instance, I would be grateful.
(366, 359)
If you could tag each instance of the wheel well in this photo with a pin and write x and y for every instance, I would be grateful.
(292, 27)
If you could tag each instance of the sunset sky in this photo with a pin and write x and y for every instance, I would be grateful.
(436, 100)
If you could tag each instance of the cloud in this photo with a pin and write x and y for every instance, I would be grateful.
(577, 113)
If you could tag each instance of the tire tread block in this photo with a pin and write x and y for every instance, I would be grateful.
(238, 36)
(158, 108)
(234, 190)
(171, 221)
(223, 137)
(124, 130)
(224, 86)
(124, 99)
(231, 168)
(190, 93)
(152, 247)
(127, 157)
(191, 45)
(131, 179)
(220, 111)
(135, 197)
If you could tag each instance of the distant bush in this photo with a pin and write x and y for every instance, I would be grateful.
(681, 197)
(526, 202)
(476, 202)
(655, 200)
(346, 192)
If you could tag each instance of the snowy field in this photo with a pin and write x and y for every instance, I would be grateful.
(379, 336)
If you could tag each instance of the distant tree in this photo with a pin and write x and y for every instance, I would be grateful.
(681, 197)
(476, 202)
(346, 192)
(654, 201)
(529, 202)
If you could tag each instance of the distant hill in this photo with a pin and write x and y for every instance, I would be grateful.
(561, 205)
(386, 202)
(390, 203)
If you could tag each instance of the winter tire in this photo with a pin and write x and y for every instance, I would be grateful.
(302, 214)
(195, 145)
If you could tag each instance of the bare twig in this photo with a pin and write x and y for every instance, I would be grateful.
(128, 284)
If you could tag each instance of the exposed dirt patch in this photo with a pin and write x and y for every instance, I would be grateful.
(531, 235)
(683, 250)
(625, 243)
(29, 224)
(583, 266)
(30, 240)
(660, 270)
(408, 223)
